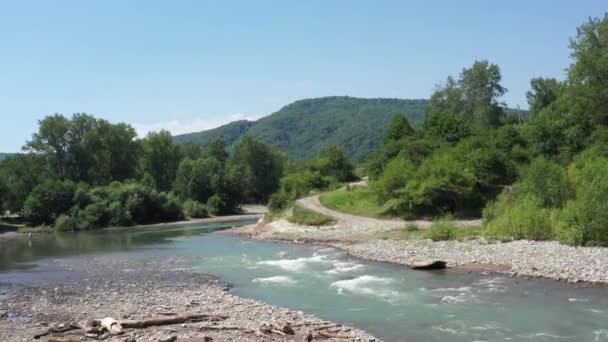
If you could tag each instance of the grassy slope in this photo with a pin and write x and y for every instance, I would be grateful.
(358, 201)
(309, 217)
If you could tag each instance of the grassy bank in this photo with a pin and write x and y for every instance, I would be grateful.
(357, 201)
(308, 217)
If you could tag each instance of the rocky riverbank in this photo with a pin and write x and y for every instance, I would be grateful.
(129, 291)
(380, 242)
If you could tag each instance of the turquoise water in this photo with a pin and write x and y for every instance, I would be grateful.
(390, 301)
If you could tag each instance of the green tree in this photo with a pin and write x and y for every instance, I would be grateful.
(446, 126)
(49, 200)
(543, 92)
(160, 159)
(481, 90)
(21, 175)
(198, 179)
(332, 162)
(398, 129)
(255, 169)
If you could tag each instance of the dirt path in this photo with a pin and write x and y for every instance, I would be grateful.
(313, 203)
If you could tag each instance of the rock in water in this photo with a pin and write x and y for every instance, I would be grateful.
(429, 265)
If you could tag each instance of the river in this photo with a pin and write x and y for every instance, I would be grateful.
(390, 301)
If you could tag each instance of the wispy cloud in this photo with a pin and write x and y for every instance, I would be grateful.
(195, 124)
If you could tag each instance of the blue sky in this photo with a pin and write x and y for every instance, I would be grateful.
(193, 65)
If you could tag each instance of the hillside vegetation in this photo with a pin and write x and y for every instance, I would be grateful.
(302, 128)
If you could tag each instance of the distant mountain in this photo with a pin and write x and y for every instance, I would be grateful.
(301, 128)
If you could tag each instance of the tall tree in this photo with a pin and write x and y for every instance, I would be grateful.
(256, 168)
(160, 159)
(397, 129)
(481, 89)
(543, 92)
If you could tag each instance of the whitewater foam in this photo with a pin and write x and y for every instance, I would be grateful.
(276, 280)
(295, 265)
(345, 267)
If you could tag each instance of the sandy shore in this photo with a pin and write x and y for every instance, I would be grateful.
(141, 290)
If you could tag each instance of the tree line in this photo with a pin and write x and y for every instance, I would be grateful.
(84, 173)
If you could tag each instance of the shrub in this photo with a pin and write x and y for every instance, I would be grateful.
(393, 179)
(214, 204)
(547, 181)
(308, 217)
(65, 223)
(443, 228)
(194, 209)
(49, 200)
(523, 218)
(442, 183)
(411, 227)
(584, 220)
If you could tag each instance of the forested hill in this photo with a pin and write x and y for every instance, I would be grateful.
(300, 128)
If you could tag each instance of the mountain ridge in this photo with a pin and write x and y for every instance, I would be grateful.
(302, 127)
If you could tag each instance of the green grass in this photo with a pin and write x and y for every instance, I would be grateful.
(442, 229)
(309, 217)
(357, 201)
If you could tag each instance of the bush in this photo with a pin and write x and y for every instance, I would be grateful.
(443, 228)
(214, 204)
(308, 217)
(48, 201)
(65, 223)
(442, 183)
(522, 218)
(584, 220)
(194, 209)
(393, 179)
(547, 181)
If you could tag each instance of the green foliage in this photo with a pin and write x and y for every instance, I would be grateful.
(394, 178)
(198, 179)
(86, 149)
(398, 129)
(332, 162)
(443, 228)
(47, 201)
(309, 217)
(255, 169)
(160, 159)
(302, 128)
(359, 201)
(194, 209)
(584, 220)
(65, 223)
(442, 183)
(547, 181)
(21, 175)
(474, 96)
(543, 93)
(446, 126)
(520, 218)
(122, 204)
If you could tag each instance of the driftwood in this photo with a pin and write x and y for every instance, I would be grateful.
(59, 328)
(169, 321)
(327, 335)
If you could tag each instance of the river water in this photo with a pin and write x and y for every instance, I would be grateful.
(390, 301)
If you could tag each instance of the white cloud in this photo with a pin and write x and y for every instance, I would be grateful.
(189, 125)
